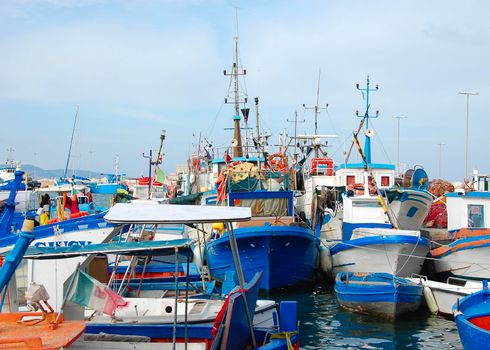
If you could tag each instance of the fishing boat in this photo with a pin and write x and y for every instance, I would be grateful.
(466, 255)
(472, 315)
(441, 296)
(372, 238)
(274, 242)
(347, 196)
(399, 252)
(379, 294)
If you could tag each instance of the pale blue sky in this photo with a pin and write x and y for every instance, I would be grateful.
(136, 67)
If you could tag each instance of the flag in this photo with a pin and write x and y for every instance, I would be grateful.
(160, 175)
(89, 292)
(227, 158)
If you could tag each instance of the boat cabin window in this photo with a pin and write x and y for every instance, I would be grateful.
(350, 180)
(264, 206)
(476, 217)
(385, 181)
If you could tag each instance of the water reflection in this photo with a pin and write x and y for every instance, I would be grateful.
(325, 326)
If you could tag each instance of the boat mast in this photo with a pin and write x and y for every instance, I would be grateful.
(317, 110)
(235, 73)
(296, 121)
(71, 142)
(366, 116)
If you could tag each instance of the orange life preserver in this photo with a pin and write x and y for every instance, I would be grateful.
(53, 221)
(277, 162)
(78, 215)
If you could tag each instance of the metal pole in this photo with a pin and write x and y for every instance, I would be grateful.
(398, 142)
(468, 94)
(241, 278)
(149, 171)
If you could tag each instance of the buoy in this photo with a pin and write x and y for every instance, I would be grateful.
(430, 300)
(219, 227)
(325, 260)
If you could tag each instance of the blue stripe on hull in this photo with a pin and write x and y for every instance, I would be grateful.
(380, 294)
(376, 240)
(287, 255)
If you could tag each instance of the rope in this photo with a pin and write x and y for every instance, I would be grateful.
(287, 336)
(400, 254)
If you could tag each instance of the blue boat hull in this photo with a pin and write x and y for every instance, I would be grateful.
(287, 255)
(473, 319)
(378, 294)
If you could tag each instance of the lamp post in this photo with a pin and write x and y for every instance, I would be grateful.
(467, 94)
(440, 158)
(398, 141)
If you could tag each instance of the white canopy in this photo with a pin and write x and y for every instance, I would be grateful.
(136, 213)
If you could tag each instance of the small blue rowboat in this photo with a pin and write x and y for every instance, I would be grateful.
(472, 315)
(379, 294)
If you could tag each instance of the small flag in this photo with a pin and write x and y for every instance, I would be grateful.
(160, 175)
(227, 158)
(89, 292)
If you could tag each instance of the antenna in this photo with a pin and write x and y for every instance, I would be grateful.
(365, 93)
(317, 108)
(295, 121)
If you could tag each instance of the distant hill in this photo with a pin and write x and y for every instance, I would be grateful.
(38, 173)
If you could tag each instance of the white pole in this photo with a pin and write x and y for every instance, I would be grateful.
(468, 94)
(398, 142)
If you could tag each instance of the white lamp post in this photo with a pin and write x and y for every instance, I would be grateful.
(468, 94)
(398, 142)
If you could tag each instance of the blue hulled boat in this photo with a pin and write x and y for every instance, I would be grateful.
(378, 294)
(472, 315)
(285, 252)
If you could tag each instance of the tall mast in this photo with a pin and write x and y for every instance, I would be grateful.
(366, 116)
(71, 142)
(235, 73)
(317, 110)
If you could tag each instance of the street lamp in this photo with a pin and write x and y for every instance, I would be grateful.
(440, 158)
(398, 141)
(468, 94)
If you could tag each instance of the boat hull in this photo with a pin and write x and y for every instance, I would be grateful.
(466, 257)
(287, 255)
(382, 295)
(472, 315)
(399, 255)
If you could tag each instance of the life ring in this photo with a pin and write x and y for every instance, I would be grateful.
(358, 186)
(277, 162)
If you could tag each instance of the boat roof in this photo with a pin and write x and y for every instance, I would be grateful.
(361, 166)
(143, 248)
(151, 213)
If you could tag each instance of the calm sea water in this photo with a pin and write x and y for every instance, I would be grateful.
(325, 326)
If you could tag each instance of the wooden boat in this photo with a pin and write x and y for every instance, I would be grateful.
(441, 296)
(378, 294)
(472, 315)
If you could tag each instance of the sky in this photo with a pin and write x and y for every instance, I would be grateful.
(137, 67)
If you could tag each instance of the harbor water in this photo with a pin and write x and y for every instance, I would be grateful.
(324, 325)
